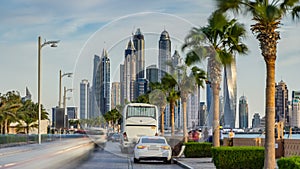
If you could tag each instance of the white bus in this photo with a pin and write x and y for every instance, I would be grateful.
(139, 119)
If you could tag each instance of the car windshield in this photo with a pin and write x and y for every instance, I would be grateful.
(153, 140)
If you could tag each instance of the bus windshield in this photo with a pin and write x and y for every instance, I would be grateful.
(141, 111)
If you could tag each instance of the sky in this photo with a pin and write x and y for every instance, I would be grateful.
(84, 29)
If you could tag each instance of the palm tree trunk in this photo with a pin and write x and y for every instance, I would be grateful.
(270, 115)
(172, 120)
(184, 120)
(216, 118)
(162, 120)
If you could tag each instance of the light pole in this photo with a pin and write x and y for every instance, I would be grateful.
(40, 45)
(60, 77)
(65, 105)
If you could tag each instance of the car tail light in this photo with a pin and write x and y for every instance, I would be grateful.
(166, 147)
(141, 147)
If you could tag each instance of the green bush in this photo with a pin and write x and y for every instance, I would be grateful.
(195, 149)
(240, 157)
(289, 162)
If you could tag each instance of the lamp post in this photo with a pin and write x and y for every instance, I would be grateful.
(65, 105)
(40, 46)
(60, 77)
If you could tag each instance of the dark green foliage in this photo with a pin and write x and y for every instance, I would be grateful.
(289, 162)
(196, 149)
(241, 157)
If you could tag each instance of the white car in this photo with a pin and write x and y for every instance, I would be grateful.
(152, 148)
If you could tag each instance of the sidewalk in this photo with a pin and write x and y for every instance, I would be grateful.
(195, 163)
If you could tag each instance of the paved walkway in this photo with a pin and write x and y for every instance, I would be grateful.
(195, 163)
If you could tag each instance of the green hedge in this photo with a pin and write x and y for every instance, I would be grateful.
(195, 149)
(289, 162)
(245, 157)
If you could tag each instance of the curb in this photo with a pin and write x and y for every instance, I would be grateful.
(181, 164)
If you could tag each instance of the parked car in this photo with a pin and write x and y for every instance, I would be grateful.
(152, 148)
(115, 137)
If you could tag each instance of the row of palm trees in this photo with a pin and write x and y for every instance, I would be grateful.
(221, 40)
(14, 110)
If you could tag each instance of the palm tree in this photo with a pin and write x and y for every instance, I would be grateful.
(218, 41)
(267, 16)
(112, 116)
(186, 85)
(172, 96)
(28, 114)
(10, 103)
(158, 97)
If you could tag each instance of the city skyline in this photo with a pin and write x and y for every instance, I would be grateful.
(78, 26)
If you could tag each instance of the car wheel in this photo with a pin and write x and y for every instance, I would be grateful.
(136, 160)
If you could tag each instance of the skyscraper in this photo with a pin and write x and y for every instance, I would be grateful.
(295, 119)
(139, 45)
(104, 85)
(129, 72)
(243, 112)
(84, 99)
(122, 85)
(164, 54)
(209, 94)
(115, 94)
(230, 94)
(203, 114)
(95, 93)
(256, 120)
(281, 103)
(152, 73)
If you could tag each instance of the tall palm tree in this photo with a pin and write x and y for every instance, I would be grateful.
(267, 15)
(186, 85)
(9, 104)
(172, 96)
(28, 114)
(218, 41)
(158, 97)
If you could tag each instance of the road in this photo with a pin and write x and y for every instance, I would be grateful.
(63, 154)
(112, 158)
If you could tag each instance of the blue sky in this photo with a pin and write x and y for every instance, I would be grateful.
(85, 28)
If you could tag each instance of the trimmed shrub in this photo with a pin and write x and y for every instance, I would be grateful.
(292, 162)
(196, 149)
(245, 157)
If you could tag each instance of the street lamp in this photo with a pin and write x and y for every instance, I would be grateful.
(40, 45)
(60, 77)
(65, 105)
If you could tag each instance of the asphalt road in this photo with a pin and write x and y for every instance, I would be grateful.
(112, 158)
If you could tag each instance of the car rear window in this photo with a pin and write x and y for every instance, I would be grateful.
(153, 140)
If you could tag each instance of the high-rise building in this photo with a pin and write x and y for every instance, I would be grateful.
(27, 95)
(84, 99)
(72, 112)
(95, 89)
(209, 94)
(122, 85)
(295, 122)
(139, 45)
(129, 72)
(203, 114)
(295, 119)
(152, 73)
(256, 120)
(164, 54)
(281, 103)
(193, 109)
(104, 67)
(243, 113)
(141, 87)
(230, 94)
(115, 94)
